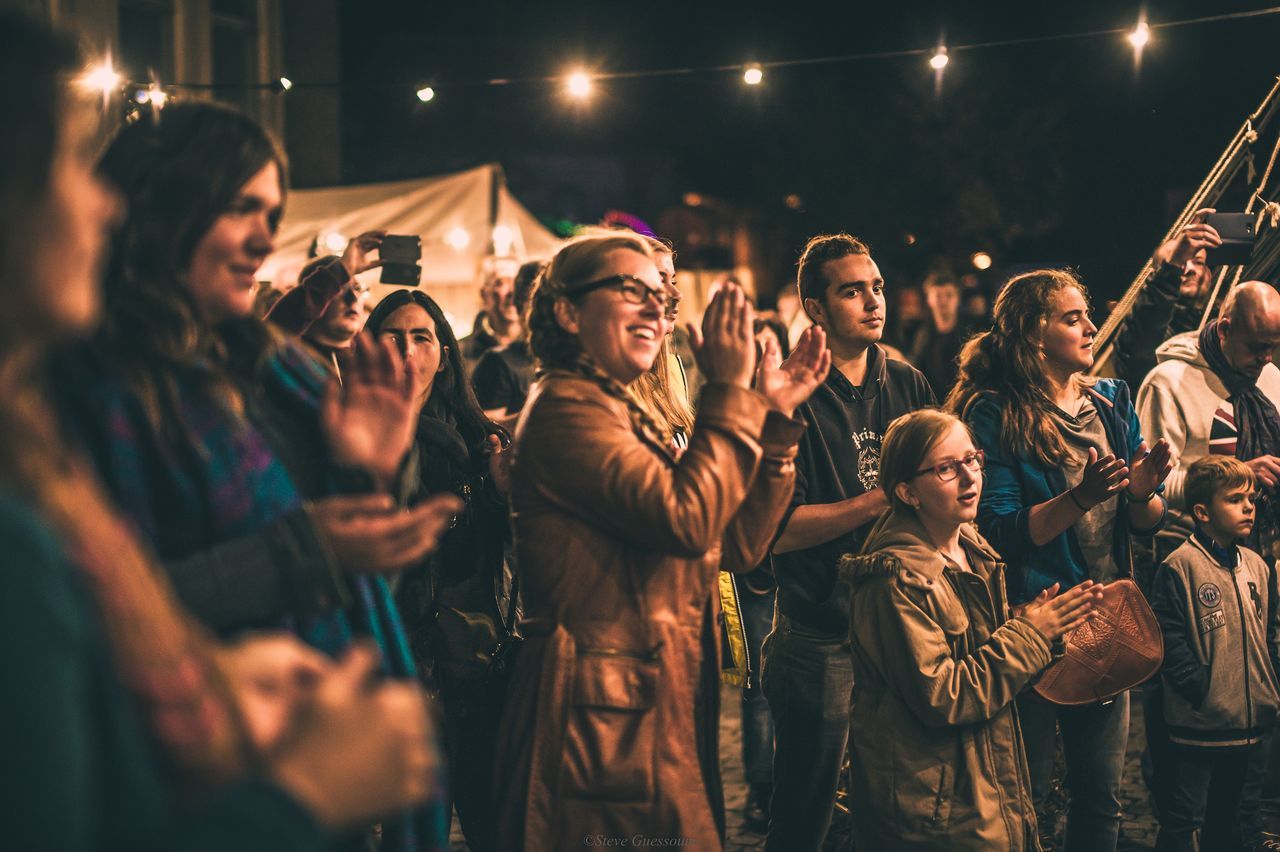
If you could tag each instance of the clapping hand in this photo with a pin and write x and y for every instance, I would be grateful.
(1057, 615)
(1150, 469)
(365, 532)
(369, 419)
(724, 346)
(1103, 478)
(270, 675)
(787, 384)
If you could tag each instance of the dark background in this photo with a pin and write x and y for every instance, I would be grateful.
(1043, 153)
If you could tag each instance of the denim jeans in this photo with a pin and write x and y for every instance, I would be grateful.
(472, 711)
(808, 681)
(1204, 796)
(757, 726)
(1093, 743)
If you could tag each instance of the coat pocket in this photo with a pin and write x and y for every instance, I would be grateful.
(923, 797)
(610, 747)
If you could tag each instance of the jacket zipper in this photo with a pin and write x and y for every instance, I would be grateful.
(1244, 653)
(742, 630)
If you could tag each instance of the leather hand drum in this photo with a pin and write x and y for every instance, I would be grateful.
(1119, 648)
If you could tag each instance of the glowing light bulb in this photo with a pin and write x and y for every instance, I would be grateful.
(101, 78)
(579, 84)
(939, 60)
(753, 75)
(458, 238)
(503, 237)
(426, 93)
(981, 260)
(334, 242)
(1140, 35)
(286, 84)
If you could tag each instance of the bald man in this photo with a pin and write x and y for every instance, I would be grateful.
(1217, 391)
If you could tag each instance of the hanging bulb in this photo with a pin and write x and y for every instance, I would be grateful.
(578, 84)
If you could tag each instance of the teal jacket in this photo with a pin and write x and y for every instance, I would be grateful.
(80, 772)
(1013, 484)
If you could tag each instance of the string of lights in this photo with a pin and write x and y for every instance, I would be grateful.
(579, 83)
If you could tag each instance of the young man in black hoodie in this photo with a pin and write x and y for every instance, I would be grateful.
(807, 673)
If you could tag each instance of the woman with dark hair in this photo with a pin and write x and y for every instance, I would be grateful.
(211, 431)
(1069, 479)
(936, 754)
(124, 726)
(458, 605)
(611, 720)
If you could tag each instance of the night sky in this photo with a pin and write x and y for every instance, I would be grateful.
(1045, 153)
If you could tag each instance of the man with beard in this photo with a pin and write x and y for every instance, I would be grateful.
(1215, 391)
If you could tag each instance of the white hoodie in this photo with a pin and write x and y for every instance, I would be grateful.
(1183, 401)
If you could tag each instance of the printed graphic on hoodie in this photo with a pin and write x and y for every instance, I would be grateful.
(868, 444)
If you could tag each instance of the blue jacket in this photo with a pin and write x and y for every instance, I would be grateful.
(1014, 484)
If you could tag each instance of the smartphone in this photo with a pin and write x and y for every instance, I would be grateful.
(1236, 230)
(400, 255)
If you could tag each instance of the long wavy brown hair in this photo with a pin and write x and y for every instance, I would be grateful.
(178, 175)
(1006, 361)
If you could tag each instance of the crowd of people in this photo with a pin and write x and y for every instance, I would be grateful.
(294, 574)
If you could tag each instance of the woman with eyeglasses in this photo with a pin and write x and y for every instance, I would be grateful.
(1069, 480)
(610, 727)
(937, 758)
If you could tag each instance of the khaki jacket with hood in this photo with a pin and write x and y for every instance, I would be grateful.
(937, 753)
(610, 726)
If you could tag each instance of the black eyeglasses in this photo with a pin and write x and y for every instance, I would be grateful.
(633, 290)
(948, 470)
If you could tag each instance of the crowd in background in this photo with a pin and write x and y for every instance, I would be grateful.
(291, 573)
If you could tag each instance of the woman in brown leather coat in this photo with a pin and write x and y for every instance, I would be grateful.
(609, 731)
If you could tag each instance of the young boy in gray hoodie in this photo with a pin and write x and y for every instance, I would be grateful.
(1217, 606)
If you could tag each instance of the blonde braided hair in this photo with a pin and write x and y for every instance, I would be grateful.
(576, 263)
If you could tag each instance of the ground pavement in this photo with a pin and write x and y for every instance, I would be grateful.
(1139, 827)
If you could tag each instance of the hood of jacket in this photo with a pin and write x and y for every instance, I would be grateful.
(899, 539)
(1182, 347)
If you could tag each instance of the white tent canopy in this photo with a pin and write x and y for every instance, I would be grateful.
(463, 219)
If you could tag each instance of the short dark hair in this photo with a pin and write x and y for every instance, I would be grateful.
(811, 281)
(1210, 474)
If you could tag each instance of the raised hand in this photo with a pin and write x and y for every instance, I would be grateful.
(271, 676)
(1195, 235)
(725, 347)
(359, 749)
(356, 256)
(365, 532)
(1151, 469)
(787, 384)
(1103, 478)
(1056, 615)
(369, 419)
